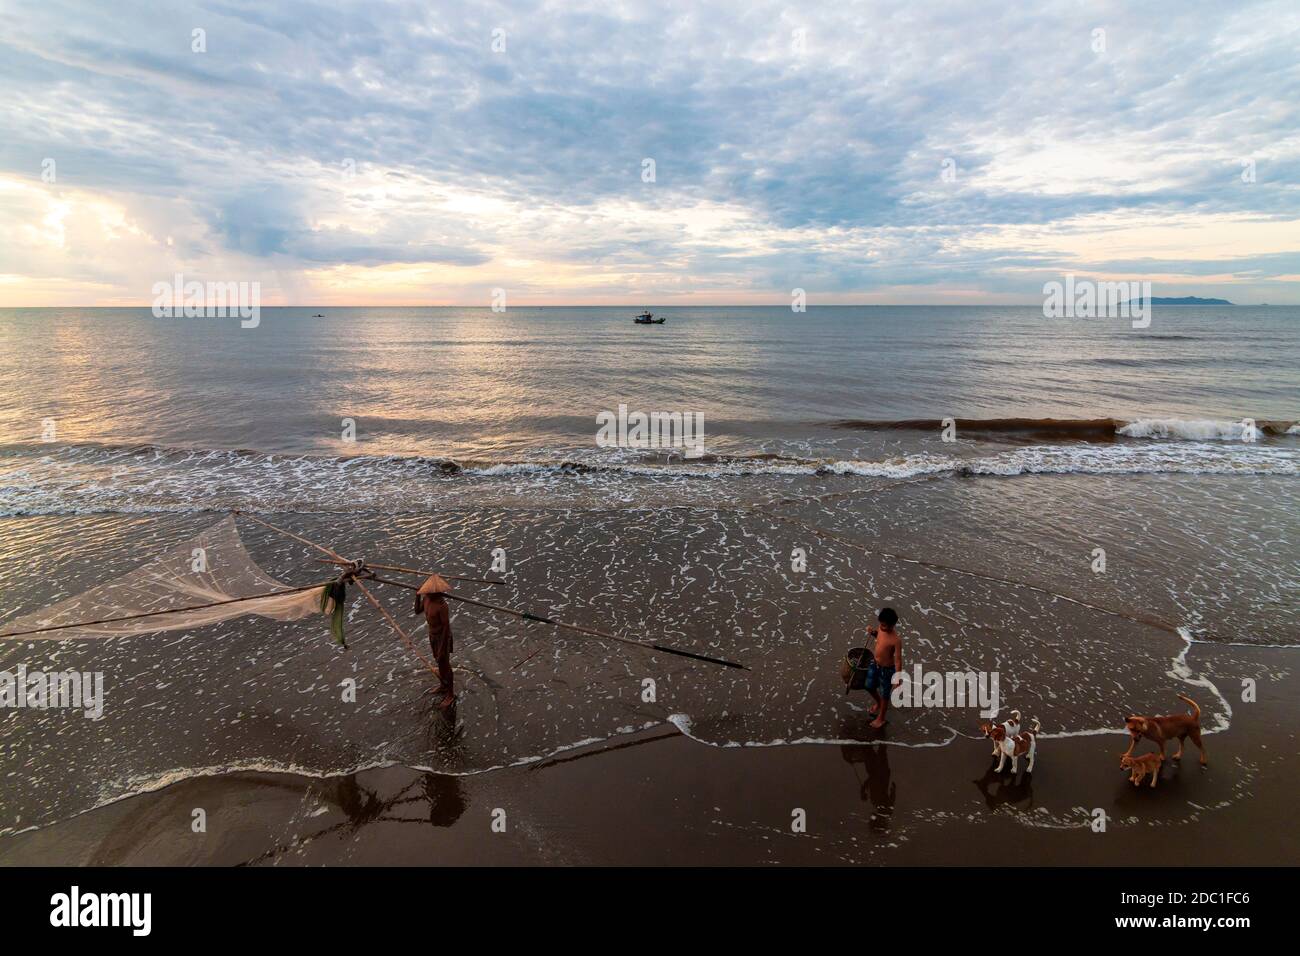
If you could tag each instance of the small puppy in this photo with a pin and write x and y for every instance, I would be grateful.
(1163, 729)
(999, 732)
(1139, 767)
(1021, 745)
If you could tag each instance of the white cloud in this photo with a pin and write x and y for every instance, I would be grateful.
(476, 169)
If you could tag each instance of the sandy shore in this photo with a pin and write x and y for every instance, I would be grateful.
(661, 798)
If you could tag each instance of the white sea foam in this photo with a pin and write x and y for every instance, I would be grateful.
(1193, 430)
(81, 480)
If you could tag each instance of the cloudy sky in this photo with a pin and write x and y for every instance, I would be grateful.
(867, 152)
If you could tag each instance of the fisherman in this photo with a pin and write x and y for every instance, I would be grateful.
(430, 602)
(886, 661)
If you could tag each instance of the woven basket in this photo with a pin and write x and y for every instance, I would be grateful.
(852, 670)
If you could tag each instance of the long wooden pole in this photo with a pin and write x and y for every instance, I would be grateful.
(590, 631)
(364, 590)
(393, 567)
(396, 627)
(289, 534)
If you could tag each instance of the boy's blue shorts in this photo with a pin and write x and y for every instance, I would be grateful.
(880, 679)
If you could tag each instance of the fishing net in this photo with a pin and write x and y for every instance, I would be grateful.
(207, 579)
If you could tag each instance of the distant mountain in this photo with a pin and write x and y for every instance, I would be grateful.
(1180, 300)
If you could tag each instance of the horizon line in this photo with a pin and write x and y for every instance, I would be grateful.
(714, 305)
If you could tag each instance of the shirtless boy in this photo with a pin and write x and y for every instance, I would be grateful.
(886, 660)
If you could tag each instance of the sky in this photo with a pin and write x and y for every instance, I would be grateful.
(655, 153)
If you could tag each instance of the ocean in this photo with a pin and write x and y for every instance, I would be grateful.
(967, 465)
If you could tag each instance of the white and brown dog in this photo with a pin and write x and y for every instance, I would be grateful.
(1019, 745)
(999, 732)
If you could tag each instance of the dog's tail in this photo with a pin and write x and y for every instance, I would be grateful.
(1196, 710)
(1033, 731)
(1015, 717)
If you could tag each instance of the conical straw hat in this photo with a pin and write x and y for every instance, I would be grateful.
(435, 585)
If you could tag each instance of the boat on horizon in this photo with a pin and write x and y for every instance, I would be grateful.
(647, 318)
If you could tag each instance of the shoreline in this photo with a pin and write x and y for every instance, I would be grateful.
(658, 797)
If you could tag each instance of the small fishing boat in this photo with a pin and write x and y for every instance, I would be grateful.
(647, 318)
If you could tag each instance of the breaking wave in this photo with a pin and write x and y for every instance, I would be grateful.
(1203, 430)
(81, 478)
(1082, 429)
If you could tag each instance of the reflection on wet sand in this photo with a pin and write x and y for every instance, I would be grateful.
(1001, 790)
(875, 786)
(361, 807)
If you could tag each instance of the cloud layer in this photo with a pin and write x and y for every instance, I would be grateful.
(426, 154)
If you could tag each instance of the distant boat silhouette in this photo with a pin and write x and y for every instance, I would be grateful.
(647, 318)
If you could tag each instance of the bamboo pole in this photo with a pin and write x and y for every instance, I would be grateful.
(397, 627)
(393, 567)
(290, 534)
(590, 631)
(364, 590)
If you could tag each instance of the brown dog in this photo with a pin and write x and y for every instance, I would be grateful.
(1164, 729)
(1141, 766)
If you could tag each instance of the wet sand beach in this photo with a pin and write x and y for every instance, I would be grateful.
(586, 771)
(660, 798)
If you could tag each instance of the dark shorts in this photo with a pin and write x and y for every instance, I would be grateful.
(880, 679)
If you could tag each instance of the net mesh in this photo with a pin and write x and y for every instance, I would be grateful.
(212, 568)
